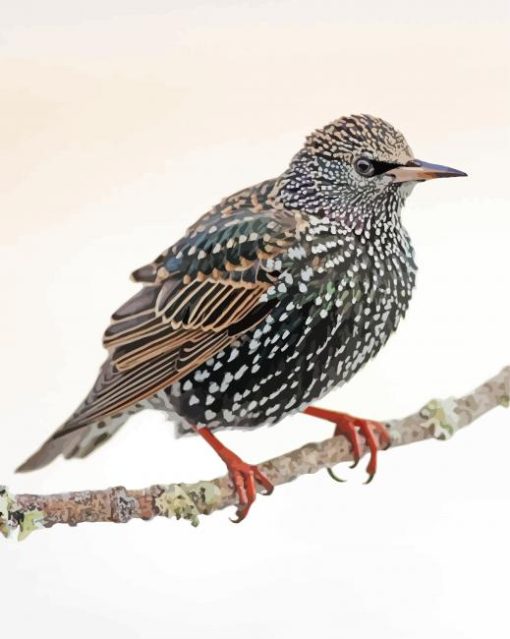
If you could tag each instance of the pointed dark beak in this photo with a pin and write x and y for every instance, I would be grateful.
(418, 171)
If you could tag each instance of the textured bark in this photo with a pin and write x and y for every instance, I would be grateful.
(438, 419)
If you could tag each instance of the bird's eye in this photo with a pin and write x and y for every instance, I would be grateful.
(364, 167)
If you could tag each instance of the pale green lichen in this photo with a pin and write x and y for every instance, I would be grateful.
(207, 492)
(30, 521)
(7, 505)
(179, 500)
(441, 417)
(11, 517)
(505, 401)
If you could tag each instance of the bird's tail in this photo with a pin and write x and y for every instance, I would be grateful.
(74, 440)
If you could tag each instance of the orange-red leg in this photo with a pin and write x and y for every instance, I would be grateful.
(374, 433)
(243, 475)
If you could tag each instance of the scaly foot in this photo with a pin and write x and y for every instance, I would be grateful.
(243, 475)
(374, 433)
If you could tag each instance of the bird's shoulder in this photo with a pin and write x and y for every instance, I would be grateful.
(210, 281)
(234, 239)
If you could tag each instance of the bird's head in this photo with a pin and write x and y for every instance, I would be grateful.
(354, 170)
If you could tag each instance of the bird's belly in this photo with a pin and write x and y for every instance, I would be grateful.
(275, 371)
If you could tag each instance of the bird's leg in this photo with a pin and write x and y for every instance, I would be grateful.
(375, 434)
(243, 475)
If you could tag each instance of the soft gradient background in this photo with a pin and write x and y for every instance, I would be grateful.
(121, 122)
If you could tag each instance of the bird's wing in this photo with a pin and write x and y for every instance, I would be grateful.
(198, 297)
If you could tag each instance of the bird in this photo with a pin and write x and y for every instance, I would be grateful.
(274, 297)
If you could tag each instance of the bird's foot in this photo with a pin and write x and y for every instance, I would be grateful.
(353, 429)
(243, 477)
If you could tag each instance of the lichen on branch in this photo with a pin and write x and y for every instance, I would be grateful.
(438, 419)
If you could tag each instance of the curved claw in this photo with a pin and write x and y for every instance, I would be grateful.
(240, 515)
(262, 480)
(242, 475)
(248, 492)
(375, 434)
(334, 476)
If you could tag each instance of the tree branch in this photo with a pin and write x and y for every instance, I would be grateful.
(438, 419)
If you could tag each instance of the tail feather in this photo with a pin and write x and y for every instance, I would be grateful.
(72, 440)
(51, 448)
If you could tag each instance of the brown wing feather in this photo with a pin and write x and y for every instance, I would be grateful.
(198, 297)
(157, 346)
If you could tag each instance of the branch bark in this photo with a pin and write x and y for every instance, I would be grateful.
(438, 419)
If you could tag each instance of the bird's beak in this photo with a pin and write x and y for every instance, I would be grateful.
(418, 171)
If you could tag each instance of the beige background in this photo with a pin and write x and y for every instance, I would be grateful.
(121, 123)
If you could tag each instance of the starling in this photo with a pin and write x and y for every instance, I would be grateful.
(274, 297)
